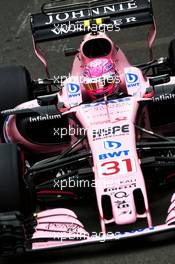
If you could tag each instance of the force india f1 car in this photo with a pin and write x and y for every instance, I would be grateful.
(59, 188)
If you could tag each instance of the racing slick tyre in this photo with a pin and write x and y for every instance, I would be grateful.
(15, 202)
(172, 56)
(15, 86)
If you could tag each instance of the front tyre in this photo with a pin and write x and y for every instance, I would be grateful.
(172, 56)
(16, 205)
(15, 86)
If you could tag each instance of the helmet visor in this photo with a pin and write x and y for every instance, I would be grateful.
(98, 85)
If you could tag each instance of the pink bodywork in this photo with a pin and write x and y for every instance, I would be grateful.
(116, 55)
(111, 136)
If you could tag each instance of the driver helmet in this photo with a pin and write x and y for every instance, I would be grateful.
(100, 78)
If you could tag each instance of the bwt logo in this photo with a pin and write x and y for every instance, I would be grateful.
(73, 89)
(131, 77)
(132, 80)
(110, 145)
(116, 154)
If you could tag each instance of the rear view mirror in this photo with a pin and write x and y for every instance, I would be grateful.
(165, 78)
(70, 52)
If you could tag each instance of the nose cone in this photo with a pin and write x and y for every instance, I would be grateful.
(124, 210)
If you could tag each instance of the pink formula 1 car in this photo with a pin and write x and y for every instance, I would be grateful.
(88, 158)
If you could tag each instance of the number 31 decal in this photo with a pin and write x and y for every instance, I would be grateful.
(116, 167)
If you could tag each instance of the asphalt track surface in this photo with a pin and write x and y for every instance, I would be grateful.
(16, 48)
